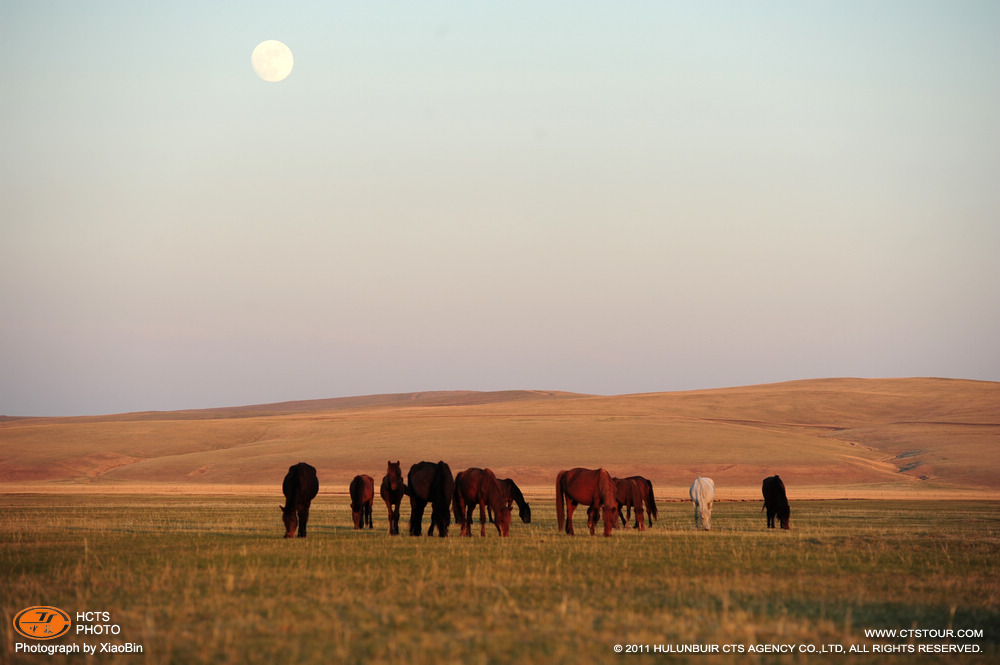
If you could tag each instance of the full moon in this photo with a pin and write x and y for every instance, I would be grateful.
(272, 60)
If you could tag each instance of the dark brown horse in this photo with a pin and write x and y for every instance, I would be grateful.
(299, 487)
(392, 491)
(480, 487)
(591, 487)
(646, 489)
(775, 502)
(512, 494)
(431, 483)
(629, 495)
(362, 491)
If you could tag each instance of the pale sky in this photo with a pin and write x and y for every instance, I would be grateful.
(600, 197)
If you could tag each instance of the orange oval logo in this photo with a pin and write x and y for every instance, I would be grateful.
(42, 622)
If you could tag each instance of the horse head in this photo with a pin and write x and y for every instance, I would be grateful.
(607, 498)
(502, 519)
(395, 475)
(524, 512)
(610, 512)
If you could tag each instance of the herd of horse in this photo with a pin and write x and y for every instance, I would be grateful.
(459, 495)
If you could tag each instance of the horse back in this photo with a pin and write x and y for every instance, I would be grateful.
(300, 485)
(702, 490)
(773, 490)
(493, 493)
(362, 489)
(442, 484)
(587, 486)
(419, 480)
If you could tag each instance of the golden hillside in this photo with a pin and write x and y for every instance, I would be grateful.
(865, 436)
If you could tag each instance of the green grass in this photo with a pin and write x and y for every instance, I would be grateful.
(210, 580)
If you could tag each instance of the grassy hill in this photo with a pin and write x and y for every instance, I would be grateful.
(859, 436)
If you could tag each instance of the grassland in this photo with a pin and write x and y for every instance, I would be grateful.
(859, 438)
(210, 580)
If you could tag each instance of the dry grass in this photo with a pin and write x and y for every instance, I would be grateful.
(893, 437)
(210, 580)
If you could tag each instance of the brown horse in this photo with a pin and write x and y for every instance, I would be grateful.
(591, 487)
(431, 483)
(480, 487)
(392, 491)
(646, 489)
(628, 495)
(300, 488)
(362, 491)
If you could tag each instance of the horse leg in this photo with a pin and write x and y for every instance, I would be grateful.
(570, 507)
(368, 514)
(416, 516)
(394, 519)
(388, 510)
(303, 518)
(482, 519)
(466, 512)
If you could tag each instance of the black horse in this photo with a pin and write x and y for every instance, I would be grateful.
(775, 502)
(512, 493)
(300, 487)
(431, 483)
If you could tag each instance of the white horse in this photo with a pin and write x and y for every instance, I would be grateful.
(702, 494)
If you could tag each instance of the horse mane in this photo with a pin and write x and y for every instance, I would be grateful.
(494, 493)
(511, 487)
(607, 489)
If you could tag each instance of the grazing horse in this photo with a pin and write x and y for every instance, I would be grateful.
(591, 487)
(362, 495)
(628, 495)
(775, 502)
(480, 487)
(432, 483)
(702, 495)
(646, 488)
(512, 494)
(392, 491)
(299, 487)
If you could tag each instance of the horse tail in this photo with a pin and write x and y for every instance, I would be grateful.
(560, 510)
(458, 502)
(651, 503)
(438, 493)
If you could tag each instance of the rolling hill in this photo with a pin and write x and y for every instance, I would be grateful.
(851, 437)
